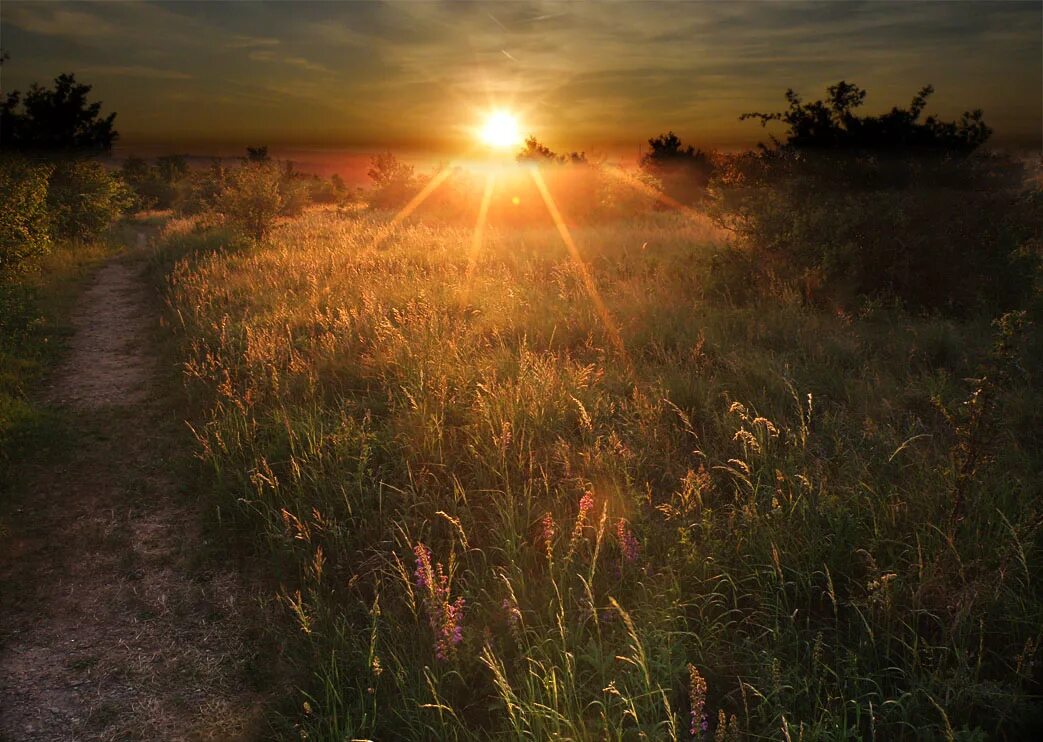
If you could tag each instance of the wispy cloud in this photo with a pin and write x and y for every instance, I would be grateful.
(239, 41)
(56, 20)
(115, 70)
(265, 55)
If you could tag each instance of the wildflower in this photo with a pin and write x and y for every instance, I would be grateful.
(424, 574)
(548, 534)
(445, 617)
(628, 543)
(450, 629)
(513, 616)
(586, 504)
(697, 697)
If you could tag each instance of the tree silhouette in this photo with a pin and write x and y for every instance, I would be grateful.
(684, 171)
(55, 120)
(535, 151)
(257, 154)
(833, 124)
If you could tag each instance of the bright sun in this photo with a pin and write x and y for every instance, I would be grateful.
(501, 130)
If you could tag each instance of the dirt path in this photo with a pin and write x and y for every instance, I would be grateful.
(114, 622)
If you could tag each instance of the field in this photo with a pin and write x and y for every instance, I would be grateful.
(508, 490)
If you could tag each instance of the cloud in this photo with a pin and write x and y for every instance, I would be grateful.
(265, 55)
(240, 41)
(47, 20)
(115, 70)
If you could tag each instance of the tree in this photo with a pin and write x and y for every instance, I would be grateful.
(536, 152)
(833, 124)
(684, 171)
(172, 168)
(252, 198)
(58, 120)
(896, 205)
(257, 154)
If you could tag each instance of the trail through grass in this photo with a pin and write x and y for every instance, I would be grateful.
(116, 619)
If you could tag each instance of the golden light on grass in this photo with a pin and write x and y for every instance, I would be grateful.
(501, 130)
(588, 281)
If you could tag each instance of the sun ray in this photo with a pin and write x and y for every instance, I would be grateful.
(695, 216)
(411, 206)
(581, 266)
(479, 235)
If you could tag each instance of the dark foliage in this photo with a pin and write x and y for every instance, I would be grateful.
(55, 120)
(683, 171)
(257, 154)
(538, 153)
(895, 206)
(833, 124)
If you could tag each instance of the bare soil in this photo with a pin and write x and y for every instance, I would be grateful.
(116, 620)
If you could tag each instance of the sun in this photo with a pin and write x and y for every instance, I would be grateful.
(501, 130)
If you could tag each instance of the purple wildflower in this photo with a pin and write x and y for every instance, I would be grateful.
(628, 543)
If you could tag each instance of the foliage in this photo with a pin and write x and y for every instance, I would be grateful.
(200, 191)
(833, 124)
(55, 120)
(493, 515)
(257, 154)
(252, 198)
(880, 206)
(84, 198)
(172, 168)
(294, 190)
(394, 181)
(683, 171)
(24, 221)
(537, 153)
(151, 189)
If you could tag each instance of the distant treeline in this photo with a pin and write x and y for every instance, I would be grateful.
(900, 206)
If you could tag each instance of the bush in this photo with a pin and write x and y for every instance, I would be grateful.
(24, 227)
(884, 206)
(252, 198)
(200, 190)
(84, 199)
(683, 171)
(394, 182)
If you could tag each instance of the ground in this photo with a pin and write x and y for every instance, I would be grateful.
(118, 620)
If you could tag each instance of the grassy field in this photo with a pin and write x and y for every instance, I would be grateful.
(507, 494)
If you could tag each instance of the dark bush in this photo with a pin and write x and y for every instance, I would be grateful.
(884, 206)
(683, 171)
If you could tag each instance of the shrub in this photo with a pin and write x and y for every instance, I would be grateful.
(24, 228)
(394, 182)
(884, 206)
(200, 191)
(84, 199)
(253, 198)
(683, 171)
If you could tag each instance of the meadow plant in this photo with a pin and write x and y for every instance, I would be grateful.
(792, 474)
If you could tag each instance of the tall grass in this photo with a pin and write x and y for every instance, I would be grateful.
(486, 520)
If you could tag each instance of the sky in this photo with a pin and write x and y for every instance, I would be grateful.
(602, 77)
